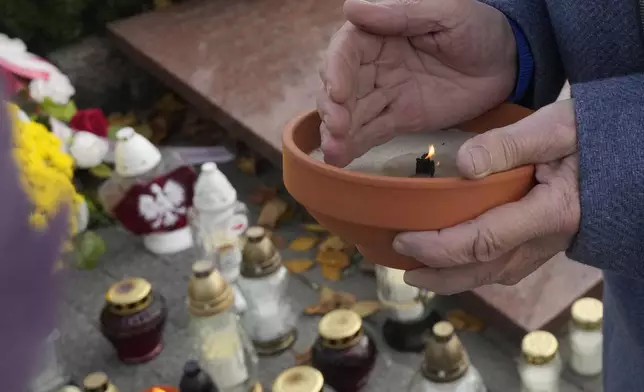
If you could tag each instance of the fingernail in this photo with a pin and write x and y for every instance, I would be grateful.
(400, 247)
(481, 160)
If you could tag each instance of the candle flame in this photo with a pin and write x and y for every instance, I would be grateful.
(431, 151)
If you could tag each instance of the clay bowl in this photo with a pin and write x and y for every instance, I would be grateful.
(369, 210)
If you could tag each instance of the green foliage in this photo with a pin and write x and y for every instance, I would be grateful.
(45, 25)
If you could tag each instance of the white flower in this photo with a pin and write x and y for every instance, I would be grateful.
(62, 131)
(82, 218)
(58, 88)
(11, 45)
(22, 116)
(87, 149)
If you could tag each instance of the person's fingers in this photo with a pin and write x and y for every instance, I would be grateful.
(446, 281)
(547, 135)
(336, 118)
(374, 133)
(408, 17)
(488, 237)
(348, 49)
(508, 269)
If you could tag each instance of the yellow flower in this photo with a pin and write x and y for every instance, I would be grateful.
(46, 172)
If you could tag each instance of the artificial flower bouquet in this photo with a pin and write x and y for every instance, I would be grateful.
(52, 140)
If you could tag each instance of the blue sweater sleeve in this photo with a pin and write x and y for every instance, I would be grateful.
(548, 73)
(525, 64)
(610, 123)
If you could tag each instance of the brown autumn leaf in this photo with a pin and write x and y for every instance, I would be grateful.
(366, 308)
(303, 358)
(331, 273)
(278, 240)
(302, 244)
(247, 165)
(262, 194)
(330, 300)
(297, 266)
(333, 243)
(159, 127)
(168, 102)
(271, 212)
(333, 258)
(464, 321)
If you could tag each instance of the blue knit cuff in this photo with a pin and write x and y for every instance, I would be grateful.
(526, 63)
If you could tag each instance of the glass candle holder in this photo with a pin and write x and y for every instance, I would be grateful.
(222, 346)
(446, 366)
(586, 337)
(133, 320)
(343, 353)
(540, 366)
(50, 374)
(270, 318)
(98, 382)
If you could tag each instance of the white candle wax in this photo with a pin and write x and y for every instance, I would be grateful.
(397, 157)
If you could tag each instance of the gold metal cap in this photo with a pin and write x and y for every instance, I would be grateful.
(208, 292)
(445, 357)
(259, 256)
(587, 313)
(539, 347)
(96, 381)
(339, 324)
(443, 331)
(299, 379)
(128, 291)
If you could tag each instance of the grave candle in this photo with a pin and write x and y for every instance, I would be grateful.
(586, 337)
(425, 165)
(540, 367)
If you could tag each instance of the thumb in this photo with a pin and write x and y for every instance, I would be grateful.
(404, 17)
(546, 135)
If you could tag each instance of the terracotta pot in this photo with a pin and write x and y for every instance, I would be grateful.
(369, 210)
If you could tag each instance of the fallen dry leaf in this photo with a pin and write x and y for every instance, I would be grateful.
(297, 266)
(333, 258)
(464, 321)
(302, 244)
(169, 102)
(303, 358)
(123, 120)
(333, 242)
(271, 212)
(278, 240)
(366, 308)
(247, 165)
(331, 300)
(262, 194)
(331, 273)
(315, 228)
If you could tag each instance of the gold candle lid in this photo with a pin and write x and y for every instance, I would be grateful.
(587, 313)
(129, 295)
(259, 256)
(539, 347)
(208, 292)
(299, 379)
(340, 328)
(96, 382)
(445, 357)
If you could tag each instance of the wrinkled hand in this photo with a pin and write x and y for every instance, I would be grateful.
(509, 242)
(403, 66)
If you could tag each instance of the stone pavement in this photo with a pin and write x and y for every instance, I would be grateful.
(84, 349)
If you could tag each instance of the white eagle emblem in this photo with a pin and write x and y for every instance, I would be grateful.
(164, 207)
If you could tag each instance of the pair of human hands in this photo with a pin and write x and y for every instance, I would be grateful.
(400, 66)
